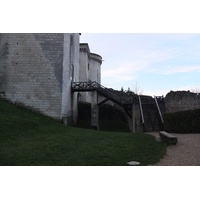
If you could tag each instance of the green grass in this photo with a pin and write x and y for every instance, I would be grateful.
(105, 125)
(29, 139)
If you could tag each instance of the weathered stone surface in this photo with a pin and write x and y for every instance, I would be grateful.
(181, 101)
(37, 70)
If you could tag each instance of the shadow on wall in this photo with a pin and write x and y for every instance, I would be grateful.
(111, 118)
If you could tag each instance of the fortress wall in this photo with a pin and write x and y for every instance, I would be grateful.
(3, 59)
(33, 76)
(32, 68)
(181, 101)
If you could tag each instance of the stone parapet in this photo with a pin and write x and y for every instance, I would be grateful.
(96, 57)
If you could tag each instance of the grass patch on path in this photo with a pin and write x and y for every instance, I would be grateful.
(29, 139)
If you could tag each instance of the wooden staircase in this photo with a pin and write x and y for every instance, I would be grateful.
(121, 98)
(150, 114)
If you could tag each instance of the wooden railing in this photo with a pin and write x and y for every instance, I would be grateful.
(141, 110)
(158, 108)
(118, 97)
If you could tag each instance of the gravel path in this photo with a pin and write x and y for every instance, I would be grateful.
(185, 153)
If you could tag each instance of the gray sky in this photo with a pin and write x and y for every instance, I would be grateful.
(156, 62)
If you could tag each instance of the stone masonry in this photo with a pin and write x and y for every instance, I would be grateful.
(36, 70)
(181, 101)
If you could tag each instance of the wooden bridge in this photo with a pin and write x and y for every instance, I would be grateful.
(133, 105)
(121, 98)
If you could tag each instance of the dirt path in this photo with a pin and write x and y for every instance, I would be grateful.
(185, 153)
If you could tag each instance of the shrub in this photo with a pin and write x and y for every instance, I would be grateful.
(182, 122)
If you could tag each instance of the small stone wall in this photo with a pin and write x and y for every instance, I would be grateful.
(181, 101)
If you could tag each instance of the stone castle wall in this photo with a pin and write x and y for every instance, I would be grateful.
(37, 69)
(181, 101)
(70, 73)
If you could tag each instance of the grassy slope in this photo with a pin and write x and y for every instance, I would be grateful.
(27, 138)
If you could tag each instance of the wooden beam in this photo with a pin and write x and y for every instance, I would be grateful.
(99, 104)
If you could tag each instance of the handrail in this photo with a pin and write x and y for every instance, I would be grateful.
(93, 85)
(141, 110)
(158, 109)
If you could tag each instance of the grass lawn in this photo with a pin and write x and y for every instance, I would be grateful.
(29, 139)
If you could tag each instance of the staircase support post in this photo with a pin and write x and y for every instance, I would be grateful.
(134, 122)
(131, 121)
(94, 111)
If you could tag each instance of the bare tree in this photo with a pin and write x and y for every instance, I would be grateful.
(136, 89)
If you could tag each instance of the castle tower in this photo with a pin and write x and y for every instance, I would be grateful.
(95, 68)
(84, 64)
(90, 69)
(36, 70)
